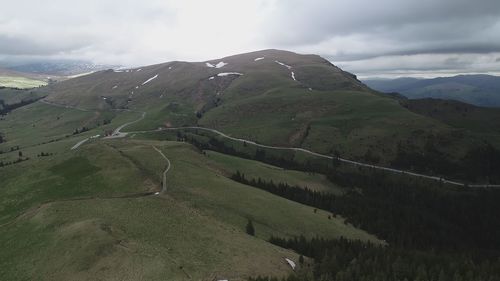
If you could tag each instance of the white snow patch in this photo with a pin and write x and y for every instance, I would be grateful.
(156, 193)
(137, 87)
(228, 73)
(115, 86)
(310, 89)
(150, 79)
(209, 64)
(258, 59)
(139, 69)
(117, 71)
(104, 98)
(283, 64)
(220, 64)
(211, 78)
(169, 67)
(291, 263)
(293, 76)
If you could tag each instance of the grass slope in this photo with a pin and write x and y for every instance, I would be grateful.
(20, 82)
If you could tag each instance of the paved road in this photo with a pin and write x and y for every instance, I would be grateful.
(164, 181)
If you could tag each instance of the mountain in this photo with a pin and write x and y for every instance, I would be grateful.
(53, 67)
(273, 97)
(481, 90)
(268, 163)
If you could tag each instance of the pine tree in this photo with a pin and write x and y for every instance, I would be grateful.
(250, 228)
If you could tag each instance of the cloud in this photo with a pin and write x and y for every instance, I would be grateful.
(360, 35)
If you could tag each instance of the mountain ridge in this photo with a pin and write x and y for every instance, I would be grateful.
(476, 89)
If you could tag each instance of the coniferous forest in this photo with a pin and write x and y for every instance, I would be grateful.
(432, 232)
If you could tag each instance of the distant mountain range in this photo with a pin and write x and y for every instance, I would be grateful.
(480, 90)
(54, 67)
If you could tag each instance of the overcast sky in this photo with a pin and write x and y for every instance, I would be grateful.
(366, 37)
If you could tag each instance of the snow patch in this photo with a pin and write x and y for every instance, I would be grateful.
(157, 193)
(310, 89)
(115, 86)
(291, 263)
(283, 64)
(228, 73)
(137, 87)
(211, 78)
(293, 76)
(169, 67)
(220, 64)
(258, 59)
(139, 69)
(117, 71)
(150, 79)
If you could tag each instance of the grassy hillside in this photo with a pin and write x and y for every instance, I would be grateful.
(80, 213)
(272, 97)
(20, 82)
(195, 231)
(92, 213)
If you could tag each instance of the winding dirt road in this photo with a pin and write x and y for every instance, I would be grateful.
(118, 134)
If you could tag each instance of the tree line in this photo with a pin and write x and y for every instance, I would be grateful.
(6, 108)
(411, 216)
(353, 260)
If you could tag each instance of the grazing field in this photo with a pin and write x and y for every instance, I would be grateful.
(197, 181)
(132, 239)
(20, 82)
(255, 169)
(83, 215)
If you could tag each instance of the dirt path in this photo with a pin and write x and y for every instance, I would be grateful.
(164, 181)
(356, 163)
(79, 143)
(118, 134)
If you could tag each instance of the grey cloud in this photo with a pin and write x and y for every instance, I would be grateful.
(354, 33)
(296, 20)
(15, 46)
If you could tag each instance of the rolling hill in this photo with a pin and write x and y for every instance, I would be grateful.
(22, 80)
(480, 90)
(273, 97)
(79, 202)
